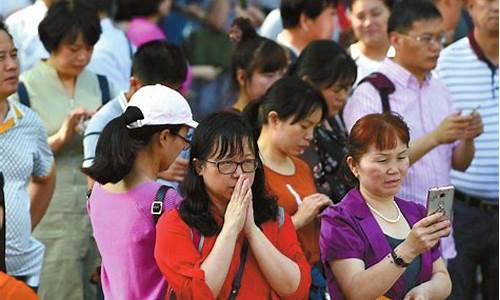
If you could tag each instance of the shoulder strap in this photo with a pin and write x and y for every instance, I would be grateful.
(22, 92)
(104, 87)
(235, 286)
(198, 239)
(2, 230)
(157, 205)
(383, 85)
(281, 216)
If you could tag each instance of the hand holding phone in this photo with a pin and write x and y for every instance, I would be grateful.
(440, 200)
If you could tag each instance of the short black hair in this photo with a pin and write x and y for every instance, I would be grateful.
(144, 8)
(102, 5)
(4, 28)
(159, 62)
(325, 63)
(388, 3)
(65, 20)
(407, 12)
(292, 9)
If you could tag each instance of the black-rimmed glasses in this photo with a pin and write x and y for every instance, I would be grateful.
(187, 142)
(227, 167)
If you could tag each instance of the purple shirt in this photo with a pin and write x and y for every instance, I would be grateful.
(349, 230)
(141, 31)
(124, 231)
(423, 107)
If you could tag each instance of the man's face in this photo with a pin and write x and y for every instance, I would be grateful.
(484, 14)
(419, 47)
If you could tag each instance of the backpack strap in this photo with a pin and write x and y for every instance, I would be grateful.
(157, 205)
(104, 87)
(198, 239)
(235, 286)
(22, 92)
(383, 85)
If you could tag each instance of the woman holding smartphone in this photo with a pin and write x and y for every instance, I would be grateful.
(372, 234)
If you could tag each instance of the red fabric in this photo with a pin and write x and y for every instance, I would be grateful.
(12, 289)
(303, 183)
(180, 261)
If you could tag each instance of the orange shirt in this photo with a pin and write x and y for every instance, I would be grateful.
(302, 183)
(180, 262)
(12, 289)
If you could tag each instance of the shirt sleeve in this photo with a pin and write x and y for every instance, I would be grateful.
(43, 157)
(289, 246)
(365, 100)
(179, 260)
(90, 138)
(338, 237)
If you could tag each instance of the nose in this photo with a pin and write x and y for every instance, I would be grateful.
(238, 172)
(11, 62)
(309, 134)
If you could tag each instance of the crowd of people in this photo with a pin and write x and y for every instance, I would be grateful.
(191, 149)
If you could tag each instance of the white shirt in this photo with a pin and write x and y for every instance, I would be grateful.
(9, 6)
(472, 83)
(366, 65)
(112, 55)
(23, 25)
(272, 25)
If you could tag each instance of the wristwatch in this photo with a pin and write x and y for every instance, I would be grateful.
(398, 260)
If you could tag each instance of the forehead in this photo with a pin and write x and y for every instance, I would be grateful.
(227, 149)
(366, 5)
(399, 147)
(429, 26)
(5, 41)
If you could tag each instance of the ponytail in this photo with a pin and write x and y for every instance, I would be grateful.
(254, 116)
(116, 150)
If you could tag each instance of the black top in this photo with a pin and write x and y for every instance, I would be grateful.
(412, 270)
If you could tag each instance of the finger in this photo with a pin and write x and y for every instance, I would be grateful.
(182, 162)
(237, 187)
(438, 226)
(428, 220)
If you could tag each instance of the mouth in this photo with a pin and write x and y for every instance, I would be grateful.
(11, 78)
(392, 182)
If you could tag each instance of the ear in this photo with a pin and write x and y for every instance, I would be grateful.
(396, 40)
(241, 77)
(352, 166)
(198, 166)
(135, 84)
(306, 78)
(304, 22)
(164, 137)
(273, 119)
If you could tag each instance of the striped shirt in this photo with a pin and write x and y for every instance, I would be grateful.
(423, 107)
(473, 82)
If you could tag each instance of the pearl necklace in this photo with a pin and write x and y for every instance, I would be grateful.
(383, 217)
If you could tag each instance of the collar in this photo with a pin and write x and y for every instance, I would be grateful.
(106, 24)
(399, 74)
(122, 100)
(14, 113)
(281, 40)
(479, 52)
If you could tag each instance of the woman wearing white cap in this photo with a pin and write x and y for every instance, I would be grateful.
(131, 151)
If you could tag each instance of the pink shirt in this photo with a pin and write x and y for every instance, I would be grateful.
(125, 234)
(141, 31)
(423, 107)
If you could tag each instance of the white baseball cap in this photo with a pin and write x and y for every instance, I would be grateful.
(161, 105)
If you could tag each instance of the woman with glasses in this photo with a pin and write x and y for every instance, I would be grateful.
(329, 68)
(228, 238)
(131, 151)
(285, 118)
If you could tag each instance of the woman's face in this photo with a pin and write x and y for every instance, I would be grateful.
(9, 66)
(381, 172)
(71, 58)
(336, 96)
(322, 26)
(293, 139)
(220, 186)
(369, 21)
(259, 83)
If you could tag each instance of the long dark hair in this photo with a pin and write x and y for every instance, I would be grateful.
(225, 134)
(325, 63)
(289, 97)
(117, 146)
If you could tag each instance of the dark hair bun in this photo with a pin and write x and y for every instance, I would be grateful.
(242, 30)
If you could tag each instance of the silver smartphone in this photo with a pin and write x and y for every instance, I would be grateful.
(440, 199)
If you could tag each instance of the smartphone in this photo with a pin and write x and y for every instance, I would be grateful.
(440, 199)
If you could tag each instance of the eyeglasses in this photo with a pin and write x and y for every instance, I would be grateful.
(227, 167)
(187, 142)
(428, 39)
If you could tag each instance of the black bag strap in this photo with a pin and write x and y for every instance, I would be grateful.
(157, 205)
(104, 87)
(383, 85)
(3, 268)
(22, 92)
(235, 286)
